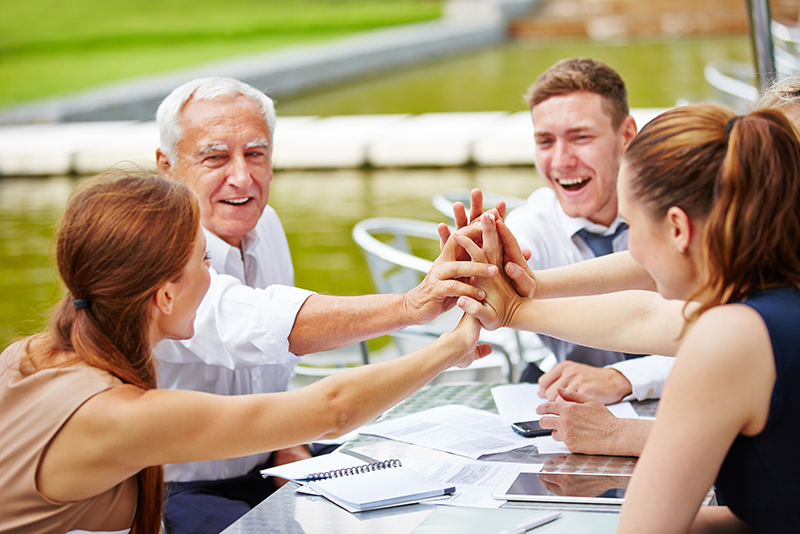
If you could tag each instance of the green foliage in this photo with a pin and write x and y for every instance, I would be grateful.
(51, 47)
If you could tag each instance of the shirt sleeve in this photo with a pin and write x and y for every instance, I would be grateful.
(238, 327)
(647, 375)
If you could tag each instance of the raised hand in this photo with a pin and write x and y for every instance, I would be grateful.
(501, 299)
(447, 280)
(475, 212)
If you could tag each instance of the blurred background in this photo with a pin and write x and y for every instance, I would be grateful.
(90, 59)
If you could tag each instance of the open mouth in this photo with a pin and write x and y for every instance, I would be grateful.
(236, 201)
(573, 184)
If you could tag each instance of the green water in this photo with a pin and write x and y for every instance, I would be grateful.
(657, 74)
(319, 209)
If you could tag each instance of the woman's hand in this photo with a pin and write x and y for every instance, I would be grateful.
(497, 309)
(468, 332)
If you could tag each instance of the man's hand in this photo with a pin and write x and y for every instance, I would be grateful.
(584, 424)
(288, 456)
(447, 280)
(606, 384)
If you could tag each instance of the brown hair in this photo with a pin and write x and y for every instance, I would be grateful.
(122, 237)
(582, 74)
(741, 174)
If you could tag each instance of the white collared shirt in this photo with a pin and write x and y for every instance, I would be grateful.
(549, 233)
(241, 344)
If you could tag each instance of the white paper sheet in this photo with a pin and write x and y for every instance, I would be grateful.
(517, 402)
(452, 428)
(474, 481)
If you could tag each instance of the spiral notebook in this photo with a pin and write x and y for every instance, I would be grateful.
(375, 485)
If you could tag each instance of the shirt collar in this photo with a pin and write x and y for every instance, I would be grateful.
(220, 250)
(573, 224)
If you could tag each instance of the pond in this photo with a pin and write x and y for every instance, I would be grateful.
(319, 209)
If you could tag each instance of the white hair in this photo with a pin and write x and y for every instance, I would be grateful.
(168, 116)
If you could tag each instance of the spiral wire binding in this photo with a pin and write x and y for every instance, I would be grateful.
(355, 470)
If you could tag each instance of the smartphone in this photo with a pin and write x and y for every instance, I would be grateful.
(530, 429)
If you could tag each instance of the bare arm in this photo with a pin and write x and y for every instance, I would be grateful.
(326, 322)
(606, 274)
(720, 387)
(630, 321)
(125, 429)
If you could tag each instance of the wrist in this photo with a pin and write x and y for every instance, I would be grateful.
(622, 386)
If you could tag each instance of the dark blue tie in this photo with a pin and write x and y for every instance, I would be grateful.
(601, 244)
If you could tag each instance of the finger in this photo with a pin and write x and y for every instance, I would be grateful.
(501, 209)
(510, 245)
(549, 408)
(464, 269)
(444, 235)
(491, 241)
(549, 422)
(474, 251)
(456, 288)
(483, 350)
(574, 396)
(550, 378)
(475, 204)
(460, 215)
(526, 253)
(482, 313)
(524, 284)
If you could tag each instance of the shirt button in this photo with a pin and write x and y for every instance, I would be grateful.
(650, 392)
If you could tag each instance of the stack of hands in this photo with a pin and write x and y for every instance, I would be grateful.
(577, 392)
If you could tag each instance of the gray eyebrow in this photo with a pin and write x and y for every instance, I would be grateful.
(258, 143)
(220, 147)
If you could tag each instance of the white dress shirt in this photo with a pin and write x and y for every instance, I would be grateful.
(549, 233)
(240, 344)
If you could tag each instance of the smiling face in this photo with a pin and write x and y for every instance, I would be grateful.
(224, 155)
(578, 152)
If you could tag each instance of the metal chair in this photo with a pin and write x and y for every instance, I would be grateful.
(443, 202)
(395, 269)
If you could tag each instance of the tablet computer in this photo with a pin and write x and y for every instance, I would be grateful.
(557, 487)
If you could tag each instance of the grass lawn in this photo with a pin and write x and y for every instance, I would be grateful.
(50, 47)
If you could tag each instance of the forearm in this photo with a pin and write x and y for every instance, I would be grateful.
(639, 322)
(630, 437)
(606, 274)
(327, 322)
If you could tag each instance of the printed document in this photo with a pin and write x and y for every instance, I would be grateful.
(452, 428)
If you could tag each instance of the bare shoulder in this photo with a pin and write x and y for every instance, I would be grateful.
(730, 331)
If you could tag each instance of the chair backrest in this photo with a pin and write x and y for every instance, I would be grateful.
(443, 202)
(392, 266)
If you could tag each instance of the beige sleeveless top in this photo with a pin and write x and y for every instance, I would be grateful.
(32, 411)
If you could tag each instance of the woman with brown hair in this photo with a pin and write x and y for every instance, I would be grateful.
(84, 431)
(713, 205)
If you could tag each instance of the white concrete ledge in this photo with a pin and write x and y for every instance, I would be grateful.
(430, 139)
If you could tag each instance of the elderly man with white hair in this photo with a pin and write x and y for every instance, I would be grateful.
(252, 326)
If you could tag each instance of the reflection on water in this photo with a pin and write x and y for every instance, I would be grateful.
(318, 210)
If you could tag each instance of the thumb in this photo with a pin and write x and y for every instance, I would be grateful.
(524, 284)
